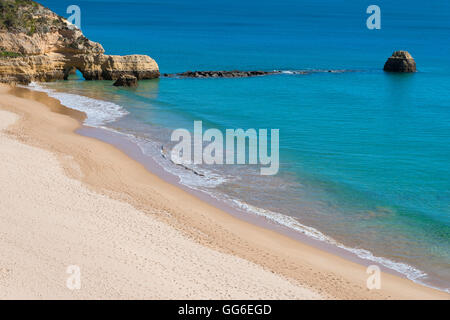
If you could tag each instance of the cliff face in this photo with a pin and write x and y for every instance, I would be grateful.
(38, 45)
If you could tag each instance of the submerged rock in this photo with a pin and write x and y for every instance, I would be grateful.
(400, 61)
(126, 80)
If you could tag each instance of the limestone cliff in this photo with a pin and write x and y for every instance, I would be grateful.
(38, 45)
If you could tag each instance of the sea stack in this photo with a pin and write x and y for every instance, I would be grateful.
(400, 61)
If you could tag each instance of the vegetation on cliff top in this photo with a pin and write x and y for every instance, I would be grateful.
(27, 16)
(9, 54)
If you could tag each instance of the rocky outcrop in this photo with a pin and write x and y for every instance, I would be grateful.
(221, 74)
(400, 61)
(106, 67)
(246, 74)
(126, 80)
(53, 48)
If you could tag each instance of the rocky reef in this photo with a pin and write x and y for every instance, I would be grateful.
(400, 61)
(246, 74)
(38, 45)
(221, 74)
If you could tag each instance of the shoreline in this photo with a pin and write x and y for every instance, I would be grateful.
(284, 224)
(212, 227)
(134, 152)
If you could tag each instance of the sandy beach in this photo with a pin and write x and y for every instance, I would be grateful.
(70, 200)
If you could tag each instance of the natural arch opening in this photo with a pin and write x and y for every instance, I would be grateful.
(73, 73)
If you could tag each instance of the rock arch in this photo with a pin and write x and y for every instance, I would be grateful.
(56, 46)
(63, 51)
(106, 67)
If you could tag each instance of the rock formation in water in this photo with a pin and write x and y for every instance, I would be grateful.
(221, 74)
(38, 45)
(126, 80)
(400, 61)
(245, 74)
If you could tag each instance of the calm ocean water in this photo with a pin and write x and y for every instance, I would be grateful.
(364, 154)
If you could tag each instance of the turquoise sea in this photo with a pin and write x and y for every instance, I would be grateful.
(365, 155)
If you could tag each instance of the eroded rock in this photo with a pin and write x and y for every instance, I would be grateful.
(57, 48)
(400, 61)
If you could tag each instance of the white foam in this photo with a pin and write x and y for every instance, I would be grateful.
(409, 271)
(205, 180)
(309, 71)
(98, 112)
(208, 180)
(190, 175)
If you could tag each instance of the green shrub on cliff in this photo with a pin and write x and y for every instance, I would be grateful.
(26, 16)
(8, 54)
